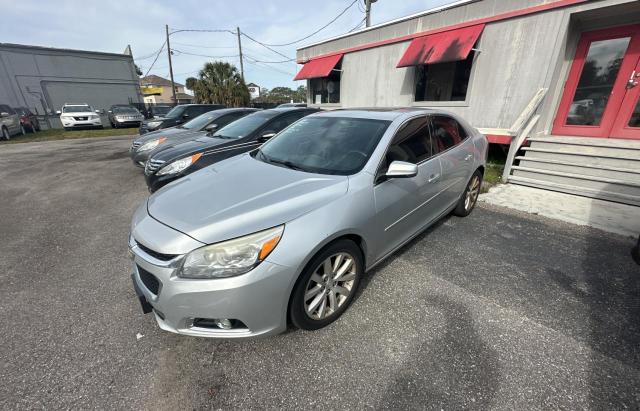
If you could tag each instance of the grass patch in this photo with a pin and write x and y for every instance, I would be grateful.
(61, 134)
(495, 165)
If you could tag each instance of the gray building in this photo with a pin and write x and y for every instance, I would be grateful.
(44, 78)
(557, 80)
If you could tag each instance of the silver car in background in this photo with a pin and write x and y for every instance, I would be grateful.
(285, 233)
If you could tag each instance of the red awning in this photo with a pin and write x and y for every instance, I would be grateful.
(453, 45)
(319, 67)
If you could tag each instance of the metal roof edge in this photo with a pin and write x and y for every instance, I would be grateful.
(65, 50)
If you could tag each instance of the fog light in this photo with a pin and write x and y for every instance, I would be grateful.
(224, 323)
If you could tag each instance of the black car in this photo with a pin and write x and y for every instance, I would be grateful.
(157, 111)
(176, 116)
(121, 115)
(145, 146)
(238, 137)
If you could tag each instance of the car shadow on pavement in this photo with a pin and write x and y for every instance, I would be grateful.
(456, 370)
(607, 289)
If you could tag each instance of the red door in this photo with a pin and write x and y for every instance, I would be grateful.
(601, 94)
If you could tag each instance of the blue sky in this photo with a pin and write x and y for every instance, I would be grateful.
(141, 23)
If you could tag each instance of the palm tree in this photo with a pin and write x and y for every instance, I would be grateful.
(221, 83)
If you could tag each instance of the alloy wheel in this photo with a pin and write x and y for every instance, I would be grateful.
(473, 190)
(330, 286)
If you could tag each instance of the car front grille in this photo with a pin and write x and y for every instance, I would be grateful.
(149, 280)
(81, 118)
(152, 166)
(155, 254)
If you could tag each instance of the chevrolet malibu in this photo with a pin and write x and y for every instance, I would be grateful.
(284, 234)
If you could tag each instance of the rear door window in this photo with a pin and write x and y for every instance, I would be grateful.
(229, 118)
(447, 133)
(285, 121)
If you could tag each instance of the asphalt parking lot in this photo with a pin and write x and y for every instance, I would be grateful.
(499, 310)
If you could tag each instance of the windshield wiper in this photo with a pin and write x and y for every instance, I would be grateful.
(285, 163)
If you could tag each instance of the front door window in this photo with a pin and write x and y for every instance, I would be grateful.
(598, 77)
(600, 98)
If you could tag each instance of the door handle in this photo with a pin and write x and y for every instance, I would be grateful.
(632, 80)
(433, 178)
(468, 157)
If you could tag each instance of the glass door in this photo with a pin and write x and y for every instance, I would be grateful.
(627, 123)
(598, 82)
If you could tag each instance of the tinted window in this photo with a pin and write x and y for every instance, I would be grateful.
(125, 110)
(229, 118)
(76, 109)
(447, 133)
(200, 122)
(245, 125)
(285, 121)
(175, 112)
(412, 143)
(325, 145)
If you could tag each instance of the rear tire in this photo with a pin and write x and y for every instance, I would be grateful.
(22, 130)
(326, 286)
(469, 197)
(5, 134)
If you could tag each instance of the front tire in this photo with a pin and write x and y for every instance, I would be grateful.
(22, 130)
(327, 286)
(469, 198)
(5, 134)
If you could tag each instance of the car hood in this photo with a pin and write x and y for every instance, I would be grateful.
(82, 114)
(241, 196)
(180, 149)
(165, 132)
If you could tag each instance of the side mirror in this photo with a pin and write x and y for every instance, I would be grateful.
(185, 115)
(58, 112)
(211, 127)
(402, 169)
(266, 135)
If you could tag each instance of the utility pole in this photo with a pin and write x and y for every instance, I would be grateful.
(240, 53)
(367, 8)
(173, 86)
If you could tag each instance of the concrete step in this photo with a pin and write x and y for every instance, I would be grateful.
(606, 171)
(572, 189)
(628, 153)
(589, 141)
(589, 160)
(594, 184)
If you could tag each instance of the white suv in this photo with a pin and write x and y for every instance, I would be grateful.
(79, 115)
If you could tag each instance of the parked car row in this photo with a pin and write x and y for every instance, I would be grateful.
(274, 218)
(17, 121)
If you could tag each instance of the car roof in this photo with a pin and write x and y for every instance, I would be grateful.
(377, 113)
(223, 111)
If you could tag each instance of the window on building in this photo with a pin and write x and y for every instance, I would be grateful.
(326, 89)
(444, 81)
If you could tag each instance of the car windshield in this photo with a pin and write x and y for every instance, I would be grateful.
(161, 110)
(125, 110)
(245, 126)
(200, 122)
(175, 112)
(325, 145)
(76, 109)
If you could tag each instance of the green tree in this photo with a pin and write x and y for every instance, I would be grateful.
(220, 83)
(190, 83)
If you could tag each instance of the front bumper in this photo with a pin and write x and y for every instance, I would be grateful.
(139, 159)
(80, 124)
(155, 182)
(258, 299)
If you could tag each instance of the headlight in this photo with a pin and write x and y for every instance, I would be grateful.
(92, 117)
(150, 145)
(179, 165)
(153, 124)
(231, 258)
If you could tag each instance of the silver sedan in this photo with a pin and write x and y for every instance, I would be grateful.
(283, 234)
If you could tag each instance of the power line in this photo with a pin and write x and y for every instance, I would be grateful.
(204, 47)
(156, 59)
(315, 32)
(202, 55)
(257, 63)
(358, 25)
(266, 46)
